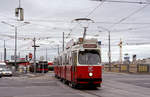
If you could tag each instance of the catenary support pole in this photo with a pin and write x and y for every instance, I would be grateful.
(109, 51)
(63, 42)
(15, 55)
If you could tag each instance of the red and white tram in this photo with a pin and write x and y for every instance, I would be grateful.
(80, 63)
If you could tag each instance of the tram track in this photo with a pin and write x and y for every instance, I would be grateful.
(83, 92)
(91, 93)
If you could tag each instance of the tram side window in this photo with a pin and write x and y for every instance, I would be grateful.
(74, 58)
(60, 61)
(57, 62)
(63, 60)
(66, 60)
(70, 60)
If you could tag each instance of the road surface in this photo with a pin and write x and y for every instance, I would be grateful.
(45, 85)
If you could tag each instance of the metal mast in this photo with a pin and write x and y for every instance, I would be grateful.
(120, 45)
(46, 54)
(19, 3)
(63, 41)
(35, 46)
(4, 52)
(109, 51)
(15, 47)
(34, 55)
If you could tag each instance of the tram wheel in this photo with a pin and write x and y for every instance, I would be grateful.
(64, 81)
(72, 85)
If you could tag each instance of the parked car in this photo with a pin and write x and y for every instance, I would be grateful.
(6, 72)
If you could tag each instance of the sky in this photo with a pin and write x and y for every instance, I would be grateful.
(48, 19)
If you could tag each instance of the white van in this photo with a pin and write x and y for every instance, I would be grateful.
(2, 65)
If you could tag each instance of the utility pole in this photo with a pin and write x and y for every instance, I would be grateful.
(63, 41)
(109, 46)
(46, 54)
(120, 45)
(34, 55)
(4, 52)
(15, 55)
(19, 3)
(109, 51)
(35, 46)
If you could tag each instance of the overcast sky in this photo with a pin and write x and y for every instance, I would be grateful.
(50, 18)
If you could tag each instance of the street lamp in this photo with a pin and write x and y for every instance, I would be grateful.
(14, 26)
(109, 47)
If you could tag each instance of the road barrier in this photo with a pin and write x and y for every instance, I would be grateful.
(143, 68)
(124, 68)
(129, 68)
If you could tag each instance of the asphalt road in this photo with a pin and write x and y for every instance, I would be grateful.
(39, 85)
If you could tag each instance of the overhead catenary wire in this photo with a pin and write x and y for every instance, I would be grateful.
(124, 18)
(99, 5)
(119, 1)
(124, 23)
(130, 29)
(125, 44)
(102, 1)
(89, 15)
(7, 17)
(96, 22)
(128, 16)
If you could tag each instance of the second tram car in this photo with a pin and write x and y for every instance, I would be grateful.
(80, 64)
(41, 67)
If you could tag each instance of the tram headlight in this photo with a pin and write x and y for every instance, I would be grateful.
(90, 74)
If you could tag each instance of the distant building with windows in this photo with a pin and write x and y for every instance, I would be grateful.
(13, 57)
(143, 61)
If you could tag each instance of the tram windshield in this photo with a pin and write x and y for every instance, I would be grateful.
(90, 57)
